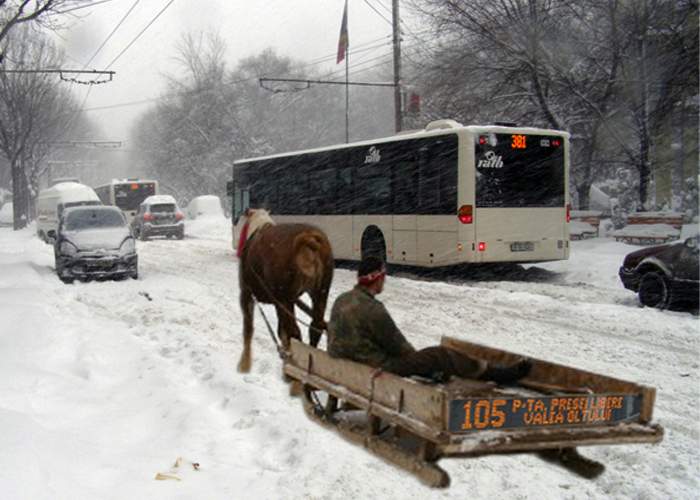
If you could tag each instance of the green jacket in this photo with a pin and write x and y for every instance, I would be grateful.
(361, 329)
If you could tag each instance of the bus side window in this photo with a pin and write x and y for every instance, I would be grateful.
(405, 184)
(444, 155)
(322, 192)
(428, 183)
(344, 191)
(241, 202)
(263, 194)
(293, 190)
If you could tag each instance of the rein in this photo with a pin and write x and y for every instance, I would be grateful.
(282, 306)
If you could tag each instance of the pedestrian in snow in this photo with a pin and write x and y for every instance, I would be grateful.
(362, 330)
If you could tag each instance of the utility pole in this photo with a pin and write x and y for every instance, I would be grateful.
(397, 65)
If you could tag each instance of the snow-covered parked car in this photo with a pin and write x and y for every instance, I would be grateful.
(203, 206)
(52, 201)
(94, 242)
(665, 274)
(159, 215)
(6, 214)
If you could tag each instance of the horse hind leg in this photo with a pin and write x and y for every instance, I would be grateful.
(287, 328)
(318, 324)
(247, 307)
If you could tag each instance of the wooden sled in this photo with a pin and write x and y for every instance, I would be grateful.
(413, 424)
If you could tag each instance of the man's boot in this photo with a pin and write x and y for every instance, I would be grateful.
(507, 375)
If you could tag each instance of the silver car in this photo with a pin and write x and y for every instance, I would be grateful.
(94, 242)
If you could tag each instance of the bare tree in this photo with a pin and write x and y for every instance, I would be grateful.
(609, 71)
(540, 62)
(660, 72)
(45, 12)
(33, 111)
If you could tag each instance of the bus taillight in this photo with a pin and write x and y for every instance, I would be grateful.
(465, 214)
(568, 212)
(482, 246)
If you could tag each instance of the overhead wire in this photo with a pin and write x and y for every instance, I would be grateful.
(140, 33)
(385, 7)
(92, 4)
(378, 13)
(87, 93)
(365, 47)
(121, 21)
(178, 93)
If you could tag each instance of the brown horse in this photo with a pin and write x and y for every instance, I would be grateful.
(279, 263)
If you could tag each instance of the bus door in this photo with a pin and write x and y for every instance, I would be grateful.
(241, 203)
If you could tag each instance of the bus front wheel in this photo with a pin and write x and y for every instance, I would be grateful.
(373, 243)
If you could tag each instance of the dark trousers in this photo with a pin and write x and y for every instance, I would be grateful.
(435, 362)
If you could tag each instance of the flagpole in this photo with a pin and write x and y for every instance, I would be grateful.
(343, 46)
(347, 99)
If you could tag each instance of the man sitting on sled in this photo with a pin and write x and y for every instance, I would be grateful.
(362, 330)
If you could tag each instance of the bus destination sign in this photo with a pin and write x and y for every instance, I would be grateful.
(474, 414)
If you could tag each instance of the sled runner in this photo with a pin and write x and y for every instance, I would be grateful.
(413, 423)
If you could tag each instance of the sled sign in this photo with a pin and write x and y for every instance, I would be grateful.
(476, 414)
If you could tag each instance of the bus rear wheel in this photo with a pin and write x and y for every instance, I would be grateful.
(373, 243)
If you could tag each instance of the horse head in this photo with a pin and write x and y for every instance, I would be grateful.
(254, 219)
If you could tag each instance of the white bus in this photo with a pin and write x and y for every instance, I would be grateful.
(127, 194)
(445, 195)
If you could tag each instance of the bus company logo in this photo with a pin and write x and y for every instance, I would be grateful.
(491, 160)
(373, 156)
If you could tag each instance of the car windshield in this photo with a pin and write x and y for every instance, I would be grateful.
(93, 219)
(163, 207)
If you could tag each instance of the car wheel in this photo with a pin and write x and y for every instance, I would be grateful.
(135, 274)
(653, 290)
(67, 281)
(181, 235)
(143, 236)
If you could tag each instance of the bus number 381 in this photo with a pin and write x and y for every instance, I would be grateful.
(519, 141)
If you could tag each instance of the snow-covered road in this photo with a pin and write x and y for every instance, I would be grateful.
(105, 384)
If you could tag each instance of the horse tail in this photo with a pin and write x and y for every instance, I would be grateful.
(307, 246)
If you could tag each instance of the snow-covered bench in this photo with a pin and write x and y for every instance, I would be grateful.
(584, 224)
(647, 234)
(582, 230)
(673, 219)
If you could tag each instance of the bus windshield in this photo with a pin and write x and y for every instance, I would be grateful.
(129, 195)
(519, 171)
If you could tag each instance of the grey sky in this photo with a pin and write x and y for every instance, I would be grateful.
(303, 29)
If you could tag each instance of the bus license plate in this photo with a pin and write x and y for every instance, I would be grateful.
(522, 246)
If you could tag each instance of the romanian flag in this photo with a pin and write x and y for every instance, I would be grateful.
(343, 40)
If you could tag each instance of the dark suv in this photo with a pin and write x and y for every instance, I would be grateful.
(159, 215)
(664, 275)
(94, 242)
